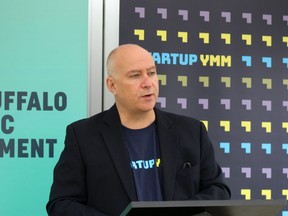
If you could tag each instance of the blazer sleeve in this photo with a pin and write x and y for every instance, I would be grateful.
(68, 192)
(212, 185)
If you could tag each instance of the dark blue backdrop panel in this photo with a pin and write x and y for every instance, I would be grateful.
(225, 63)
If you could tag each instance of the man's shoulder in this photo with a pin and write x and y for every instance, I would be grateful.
(173, 115)
(180, 121)
(88, 121)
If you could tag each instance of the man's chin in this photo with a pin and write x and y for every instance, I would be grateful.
(147, 107)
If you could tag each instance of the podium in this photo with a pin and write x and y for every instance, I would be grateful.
(205, 208)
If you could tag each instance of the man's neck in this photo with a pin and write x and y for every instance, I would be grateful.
(137, 120)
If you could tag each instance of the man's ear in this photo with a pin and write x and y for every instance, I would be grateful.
(111, 85)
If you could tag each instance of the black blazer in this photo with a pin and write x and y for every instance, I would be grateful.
(93, 175)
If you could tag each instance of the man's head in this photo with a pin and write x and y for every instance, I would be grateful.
(132, 78)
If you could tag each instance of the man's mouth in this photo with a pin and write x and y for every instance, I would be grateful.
(148, 95)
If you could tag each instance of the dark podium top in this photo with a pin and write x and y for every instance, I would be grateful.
(206, 208)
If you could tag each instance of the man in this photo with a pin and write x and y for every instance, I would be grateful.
(133, 151)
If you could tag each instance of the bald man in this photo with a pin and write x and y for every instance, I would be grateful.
(133, 151)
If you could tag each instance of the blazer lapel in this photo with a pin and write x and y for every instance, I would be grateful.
(112, 133)
(167, 134)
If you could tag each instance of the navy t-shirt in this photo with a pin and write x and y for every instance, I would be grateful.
(144, 154)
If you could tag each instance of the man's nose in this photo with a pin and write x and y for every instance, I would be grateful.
(146, 82)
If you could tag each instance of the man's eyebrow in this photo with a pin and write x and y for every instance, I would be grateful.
(152, 67)
(133, 71)
(139, 70)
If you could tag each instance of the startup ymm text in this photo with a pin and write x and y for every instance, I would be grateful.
(188, 59)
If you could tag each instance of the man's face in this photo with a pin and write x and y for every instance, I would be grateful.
(135, 81)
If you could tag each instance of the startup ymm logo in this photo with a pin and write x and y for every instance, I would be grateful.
(145, 164)
(190, 59)
(27, 101)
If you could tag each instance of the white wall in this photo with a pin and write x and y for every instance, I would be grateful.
(103, 37)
